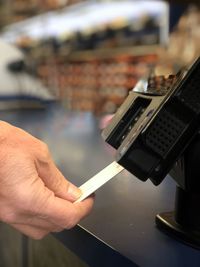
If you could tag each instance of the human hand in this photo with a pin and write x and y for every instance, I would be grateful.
(35, 198)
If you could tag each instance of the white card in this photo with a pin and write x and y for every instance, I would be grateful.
(99, 179)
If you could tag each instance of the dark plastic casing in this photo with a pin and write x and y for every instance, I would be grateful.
(151, 132)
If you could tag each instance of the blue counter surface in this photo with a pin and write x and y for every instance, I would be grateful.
(121, 230)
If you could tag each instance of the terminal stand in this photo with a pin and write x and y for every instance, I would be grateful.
(184, 222)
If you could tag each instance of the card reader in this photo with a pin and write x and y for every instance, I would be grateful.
(156, 122)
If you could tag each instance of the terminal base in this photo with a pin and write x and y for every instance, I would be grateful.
(166, 223)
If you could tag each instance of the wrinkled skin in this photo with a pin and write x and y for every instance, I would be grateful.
(35, 198)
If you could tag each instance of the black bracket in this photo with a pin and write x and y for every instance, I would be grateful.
(184, 222)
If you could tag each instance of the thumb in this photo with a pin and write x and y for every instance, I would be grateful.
(56, 182)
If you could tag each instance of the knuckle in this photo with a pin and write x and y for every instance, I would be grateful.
(57, 230)
(42, 205)
(9, 217)
(23, 201)
(57, 184)
(44, 148)
(32, 201)
(39, 235)
(44, 152)
(72, 221)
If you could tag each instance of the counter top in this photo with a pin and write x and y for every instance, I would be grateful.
(121, 229)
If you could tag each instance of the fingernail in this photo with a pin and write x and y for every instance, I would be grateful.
(74, 192)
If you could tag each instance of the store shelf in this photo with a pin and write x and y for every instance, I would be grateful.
(112, 52)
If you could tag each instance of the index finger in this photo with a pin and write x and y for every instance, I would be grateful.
(64, 213)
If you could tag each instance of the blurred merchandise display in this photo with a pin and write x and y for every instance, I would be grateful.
(98, 85)
(17, 10)
(184, 41)
(92, 53)
(93, 25)
(19, 88)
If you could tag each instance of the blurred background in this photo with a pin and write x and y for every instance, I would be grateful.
(87, 55)
(84, 56)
